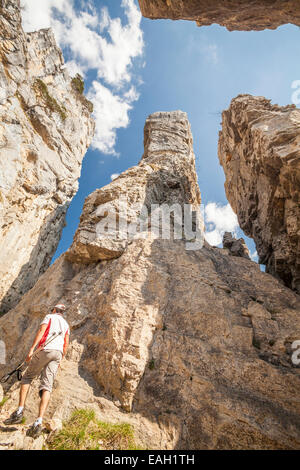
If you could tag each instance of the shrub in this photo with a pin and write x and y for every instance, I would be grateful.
(78, 83)
(78, 86)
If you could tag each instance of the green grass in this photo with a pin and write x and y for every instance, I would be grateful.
(256, 343)
(78, 83)
(78, 86)
(41, 88)
(3, 401)
(84, 432)
(151, 364)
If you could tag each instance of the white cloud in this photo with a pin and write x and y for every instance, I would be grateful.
(114, 176)
(111, 113)
(219, 219)
(254, 256)
(38, 14)
(211, 52)
(96, 42)
(74, 68)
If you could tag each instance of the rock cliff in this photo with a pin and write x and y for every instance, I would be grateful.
(259, 150)
(191, 346)
(242, 15)
(165, 175)
(45, 129)
(235, 247)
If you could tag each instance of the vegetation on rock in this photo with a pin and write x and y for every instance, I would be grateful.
(78, 83)
(41, 88)
(84, 432)
(78, 86)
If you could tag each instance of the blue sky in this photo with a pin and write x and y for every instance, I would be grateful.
(176, 65)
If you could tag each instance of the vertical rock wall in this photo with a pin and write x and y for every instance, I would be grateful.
(259, 150)
(195, 345)
(45, 130)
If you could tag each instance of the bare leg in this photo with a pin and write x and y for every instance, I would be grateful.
(44, 402)
(23, 394)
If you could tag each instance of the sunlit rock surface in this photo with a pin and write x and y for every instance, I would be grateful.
(45, 129)
(191, 347)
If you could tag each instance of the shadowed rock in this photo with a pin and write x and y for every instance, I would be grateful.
(235, 247)
(259, 150)
(245, 15)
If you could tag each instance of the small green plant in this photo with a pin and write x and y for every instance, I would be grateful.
(84, 432)
(42, 89)
(78, 83)
(78, 86)
(3, 401)
(271, 342)
(23, 420)
(151, 364)
(256, 343)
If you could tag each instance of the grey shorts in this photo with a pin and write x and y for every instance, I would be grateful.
(45, 363)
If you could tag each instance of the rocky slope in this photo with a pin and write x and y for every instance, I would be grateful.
(45, 129)
(190, 346)
(259, 149)
(244, 15)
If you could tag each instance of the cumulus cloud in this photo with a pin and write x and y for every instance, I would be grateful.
(219, 219)
(111, 113)
(96, 43)
(114, 176)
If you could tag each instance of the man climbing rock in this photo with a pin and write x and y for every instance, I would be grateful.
(52, 340)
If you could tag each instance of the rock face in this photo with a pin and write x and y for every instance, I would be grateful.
(45, 129)
(259, 149)
(192, 347)
(240, 15)
(165, 175)
(234, 246)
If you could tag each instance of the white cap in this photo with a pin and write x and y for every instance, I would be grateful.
(60, 307)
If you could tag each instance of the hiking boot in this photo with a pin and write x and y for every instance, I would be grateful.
(15, 418)
(35, 430)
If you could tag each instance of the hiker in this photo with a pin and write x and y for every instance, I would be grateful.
(45, 361)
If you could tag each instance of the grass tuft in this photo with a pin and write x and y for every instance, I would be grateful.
(42, 89)
(78, 83)
(84, 432)
(78, 86)
(3, 401)
(256, 343)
